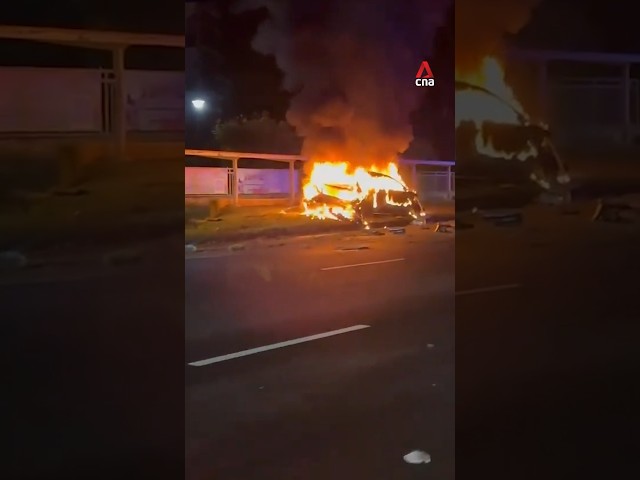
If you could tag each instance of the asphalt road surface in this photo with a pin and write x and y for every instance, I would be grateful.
(545, 362)
(346, 406)
(545, 317)
(91, 349)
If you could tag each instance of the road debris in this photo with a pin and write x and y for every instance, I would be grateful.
(190, 248)
(503, 217)
(443, 228)
(615, 211)
(350, 249)
(236, 247)
(417, 457)
(507, 221)
(398, 230)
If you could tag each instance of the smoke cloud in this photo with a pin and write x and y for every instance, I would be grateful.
(481, 28)
(351, 66)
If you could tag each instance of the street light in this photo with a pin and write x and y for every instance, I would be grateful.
(198, 103)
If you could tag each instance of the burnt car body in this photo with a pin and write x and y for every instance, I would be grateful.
(377, 208)
(516, 178)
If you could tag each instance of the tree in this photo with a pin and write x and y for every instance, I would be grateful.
(260, 134)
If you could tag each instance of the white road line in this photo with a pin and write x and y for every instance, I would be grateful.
(362, 264)
(273, 346)
(496, 288)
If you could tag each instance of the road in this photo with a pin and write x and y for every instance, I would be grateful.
(545, 318)
(91, 350)
(346, 406)
(544, 366)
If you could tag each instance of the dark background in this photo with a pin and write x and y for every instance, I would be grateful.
(221, 61)
(94, 386)
(144, 16)
(249, 82)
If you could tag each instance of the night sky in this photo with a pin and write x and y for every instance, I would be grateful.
(147, 16)
(251, 81)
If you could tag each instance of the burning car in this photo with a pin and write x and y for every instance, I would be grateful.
(503, 158)
(336, 191)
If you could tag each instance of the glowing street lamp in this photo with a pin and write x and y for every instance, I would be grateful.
(198, 103)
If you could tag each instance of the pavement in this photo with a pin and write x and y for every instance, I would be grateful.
(247, 223)
(91, 347)
(350, 405)
(544, 363)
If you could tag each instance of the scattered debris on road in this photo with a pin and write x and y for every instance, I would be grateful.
(350, 249)
(444, 228)
(417, 457)
(398, 231)
(190, 248)
(502, 218)
(236, 247)
(615, 211)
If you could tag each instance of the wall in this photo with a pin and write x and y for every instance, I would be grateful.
(155, 101)
(50, 100)
(69, 101)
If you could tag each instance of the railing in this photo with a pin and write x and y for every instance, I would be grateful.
(435, 183)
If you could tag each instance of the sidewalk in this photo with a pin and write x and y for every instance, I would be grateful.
(246, 223)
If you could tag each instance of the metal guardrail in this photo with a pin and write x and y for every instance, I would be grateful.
(437, 184)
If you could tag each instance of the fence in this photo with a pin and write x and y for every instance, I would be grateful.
(433, 180)
(434, 185)
(593, 109)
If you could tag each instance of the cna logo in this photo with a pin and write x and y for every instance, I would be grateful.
(424, 77)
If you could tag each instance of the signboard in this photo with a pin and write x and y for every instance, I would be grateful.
(155, 101)
(206, 181)
(50, 100)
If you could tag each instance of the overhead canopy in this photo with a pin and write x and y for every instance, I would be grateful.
(98, 39)
(587, 57)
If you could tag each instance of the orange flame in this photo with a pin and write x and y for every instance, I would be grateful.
(479, 107)
(348, 185)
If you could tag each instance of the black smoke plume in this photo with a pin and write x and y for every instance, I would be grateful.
(481, 27)
(351, 67)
